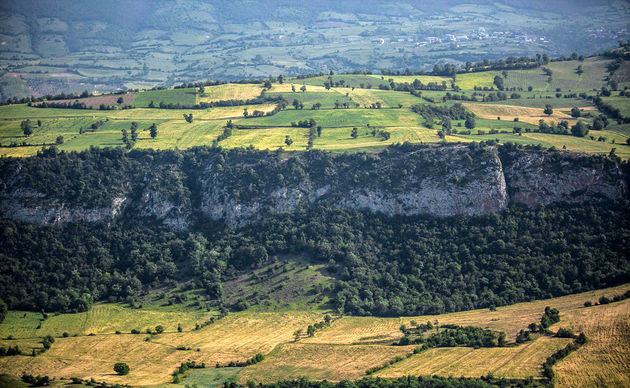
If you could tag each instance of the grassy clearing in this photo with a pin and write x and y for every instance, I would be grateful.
(209, 377)
(308, 98)
(523, 79)
(101, 319)
(621, 103)
(565, 75)
(185, 96)
(390, 99)
(290, 283)
(468, 81)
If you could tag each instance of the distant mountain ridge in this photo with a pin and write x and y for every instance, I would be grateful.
(48, 47)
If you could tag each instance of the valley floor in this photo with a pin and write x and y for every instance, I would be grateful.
(345, 350)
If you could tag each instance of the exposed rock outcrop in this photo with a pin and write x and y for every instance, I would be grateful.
(539, 178)
(440, 181)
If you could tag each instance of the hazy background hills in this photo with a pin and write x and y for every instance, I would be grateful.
(50, 47)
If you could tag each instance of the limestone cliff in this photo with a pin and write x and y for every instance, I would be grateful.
(240, 186)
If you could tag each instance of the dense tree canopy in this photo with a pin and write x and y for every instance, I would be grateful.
(403, 265)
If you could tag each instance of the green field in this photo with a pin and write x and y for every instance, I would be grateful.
(484, 79)
(187, 96)
(342, 109)
(621, 103)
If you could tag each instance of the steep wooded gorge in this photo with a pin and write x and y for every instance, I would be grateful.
(239, 186)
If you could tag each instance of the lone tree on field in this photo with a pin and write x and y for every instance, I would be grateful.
(354, 133)
(153, 130)
(59, 140)
(26, 128)
(579, 129)
(121, 368)
(288, 141)
(575, 112)
(470, 122)
(120, 100)
(548, 110)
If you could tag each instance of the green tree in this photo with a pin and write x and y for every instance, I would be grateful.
(297, 334)
(501, 340)
(3, 310)
(159, 329)
(548, 110)
(579, 129)
(59, 140)
(179, 328)
(153, 130)
(498, 81)
(26, 127)
(354, 133)
(575, 112)
(319, 131)
(470, 122)
(121, 368)
(310, 330)
(303, 88)
(120, 100)
(446, 125)
(288, 141)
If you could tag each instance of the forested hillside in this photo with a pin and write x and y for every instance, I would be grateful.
(383, 263)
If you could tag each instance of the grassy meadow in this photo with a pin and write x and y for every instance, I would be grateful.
(342, 351)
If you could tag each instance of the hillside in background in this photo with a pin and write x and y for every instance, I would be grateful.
(69, 46)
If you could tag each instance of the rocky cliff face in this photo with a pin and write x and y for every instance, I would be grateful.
(443, 181)
(539, 178)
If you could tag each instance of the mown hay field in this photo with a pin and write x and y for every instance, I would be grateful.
(230, 92)
(344, 350)
(520, 361)
(321, 362)
(524, 114)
